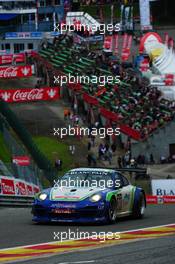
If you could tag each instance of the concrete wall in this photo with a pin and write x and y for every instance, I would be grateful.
(157, 144)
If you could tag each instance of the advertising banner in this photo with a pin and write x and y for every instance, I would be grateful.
(116, 43)
(9, 58)
(144, 65)
(24, 35)
(108, 43)
(145, 15)
(126, 47)
(151, 199)
(29, 189)
(29, 95)
(21, 160)
(16, 71)
(166, 199)
(17, 187)
(169, 79)
(35, 189)
(163, 187)
(20, 188)
(125, 54)
(166, 39)
(7, 186)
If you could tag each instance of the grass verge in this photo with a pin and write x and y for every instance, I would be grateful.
(5, 155)
(55, 149)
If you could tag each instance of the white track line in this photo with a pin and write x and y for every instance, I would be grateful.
(78, 262)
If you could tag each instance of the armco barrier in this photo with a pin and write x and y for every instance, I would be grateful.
(165, 199)
(16, 201)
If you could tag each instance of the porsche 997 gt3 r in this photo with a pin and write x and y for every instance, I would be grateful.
(89, 195)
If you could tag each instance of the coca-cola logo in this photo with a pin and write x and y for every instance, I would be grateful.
(34, 94)
(9, 72)
(29, 95)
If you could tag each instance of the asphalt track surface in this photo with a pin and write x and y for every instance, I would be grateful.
(17, 229)
(154, 251)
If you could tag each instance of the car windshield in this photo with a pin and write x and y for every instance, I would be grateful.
(85, 179)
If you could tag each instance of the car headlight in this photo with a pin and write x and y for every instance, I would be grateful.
(95, 198)
(42, 196)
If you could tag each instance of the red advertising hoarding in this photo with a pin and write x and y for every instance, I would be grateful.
(165, 199)
(21, 160)
(17, 187)
(144, 65)
(108, 43)
(35, 189)
(29, 95)
(9, 58)
(7, 186)
(16, 71)
(20, 188)
(29, 189)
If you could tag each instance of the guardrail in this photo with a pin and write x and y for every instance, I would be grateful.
(16, 201)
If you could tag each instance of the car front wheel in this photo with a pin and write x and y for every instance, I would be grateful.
(112, 211)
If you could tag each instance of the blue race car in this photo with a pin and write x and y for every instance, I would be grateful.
(89, 195)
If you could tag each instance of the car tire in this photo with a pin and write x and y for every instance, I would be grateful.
(139, 208)
(112, 211)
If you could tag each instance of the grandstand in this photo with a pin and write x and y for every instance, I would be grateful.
(137, 108)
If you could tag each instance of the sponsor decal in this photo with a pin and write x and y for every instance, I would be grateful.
(126, 47)
(27, 95)
(62, 205)
(126, 197)
(145, 15)
(16, 71)
(66, 197)
(63, 211)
